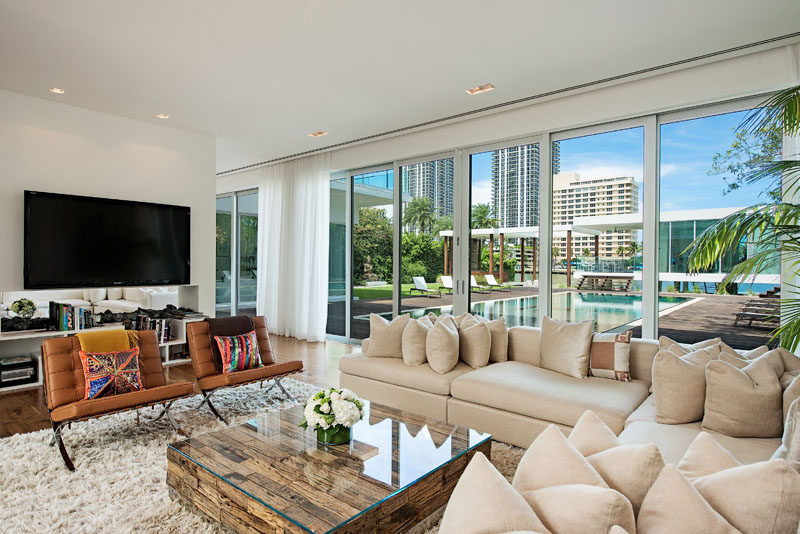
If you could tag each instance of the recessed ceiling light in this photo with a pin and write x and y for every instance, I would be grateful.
(317, 134)
(56, 90)
(480, 89)
(162, 116)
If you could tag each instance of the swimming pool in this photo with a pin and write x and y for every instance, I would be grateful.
(607, 311)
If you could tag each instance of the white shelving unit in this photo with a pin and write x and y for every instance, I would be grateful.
(179, 331)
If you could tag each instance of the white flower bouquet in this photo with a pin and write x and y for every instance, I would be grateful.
(331, 412)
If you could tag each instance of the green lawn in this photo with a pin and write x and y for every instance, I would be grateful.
(385, 292)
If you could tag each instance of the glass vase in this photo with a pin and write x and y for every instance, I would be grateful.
(335, 435)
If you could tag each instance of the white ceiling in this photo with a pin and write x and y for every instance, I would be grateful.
(259, 75)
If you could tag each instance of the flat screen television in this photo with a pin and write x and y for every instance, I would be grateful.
(75, 241)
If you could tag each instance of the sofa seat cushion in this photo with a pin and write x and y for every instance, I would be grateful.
(249, 375)
(116, 306)
(674, 440)
(89, 408)
(548, 395)
(645, 412)
(78, 303)
(395, 371)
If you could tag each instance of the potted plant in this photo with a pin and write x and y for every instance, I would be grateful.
(25, 308)
(332, 413)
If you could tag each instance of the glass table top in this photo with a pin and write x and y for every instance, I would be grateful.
(319, 487)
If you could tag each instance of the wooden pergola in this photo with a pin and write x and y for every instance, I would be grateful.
(529, 234)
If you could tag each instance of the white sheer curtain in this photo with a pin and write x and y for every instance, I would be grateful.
(293, 231)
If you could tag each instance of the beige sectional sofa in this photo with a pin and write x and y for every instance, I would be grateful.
(516, 400)
(513, 400)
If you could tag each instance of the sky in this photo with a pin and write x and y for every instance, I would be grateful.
(687, 151)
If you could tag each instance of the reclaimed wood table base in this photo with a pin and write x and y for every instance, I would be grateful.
(269, 475)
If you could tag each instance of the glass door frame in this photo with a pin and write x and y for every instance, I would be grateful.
(235, 246)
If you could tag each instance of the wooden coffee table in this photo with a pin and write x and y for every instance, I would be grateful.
(269, 475)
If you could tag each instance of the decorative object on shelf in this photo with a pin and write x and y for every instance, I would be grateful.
(332, 412)
(24, 308)
(21, 324)
(170, 312)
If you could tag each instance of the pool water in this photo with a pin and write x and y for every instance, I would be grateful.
(608, 312)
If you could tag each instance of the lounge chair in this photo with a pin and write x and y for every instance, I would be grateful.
(751, 317)
(492, 283)
(473, 285)
(447, 283)
(422, 287)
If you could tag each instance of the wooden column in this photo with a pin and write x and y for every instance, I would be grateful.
(446, 259)
(569, 257)
(596, 252)
(533, 267)
(502, 256)
(491, 255)
(522, 258)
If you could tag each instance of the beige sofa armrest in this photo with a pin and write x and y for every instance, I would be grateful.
(364, 345)
(523, 344)
(643, 351)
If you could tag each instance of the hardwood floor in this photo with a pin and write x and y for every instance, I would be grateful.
(26, 411)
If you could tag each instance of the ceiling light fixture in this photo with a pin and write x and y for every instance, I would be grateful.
(56, 90)
(317, 134)
(162, 116)
(480, 89)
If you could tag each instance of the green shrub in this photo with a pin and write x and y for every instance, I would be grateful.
(670, 289)
(411, 269)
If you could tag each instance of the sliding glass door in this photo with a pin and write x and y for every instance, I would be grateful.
(236, 253)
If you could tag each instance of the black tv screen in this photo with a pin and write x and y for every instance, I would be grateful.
(75, 241)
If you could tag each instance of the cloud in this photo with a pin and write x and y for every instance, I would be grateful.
(668, 168)
(481, 192)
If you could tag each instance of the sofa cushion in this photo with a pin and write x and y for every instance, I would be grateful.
(705, 456)
(484, 501)
(646, 411)
(581, 509)
(114, 293)
(413, 341)
(790, 443)
(746, 402)
(591, 435)
(386, 338)
(679, 384)
(565, 347)
(610, 356)
(88, 408)
(442, 346)
(680, 349)
(474, 342)
(674, 440)
(528, 390)
(393, 371)
(629, 469)
(674, 505)
(249, 375)
(116, 306)
(499, 333)
(523, 344)
(760, 497)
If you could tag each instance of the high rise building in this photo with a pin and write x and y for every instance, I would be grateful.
(555, 155)
(432, 179)
(577, 197)
(515, 186)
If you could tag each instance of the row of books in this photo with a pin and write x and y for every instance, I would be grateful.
(68, 317)
(163, 327)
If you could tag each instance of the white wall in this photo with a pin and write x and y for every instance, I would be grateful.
(734, 77)
(48, 146)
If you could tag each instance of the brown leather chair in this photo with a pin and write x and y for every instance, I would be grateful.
(65, 386)
(210, 380)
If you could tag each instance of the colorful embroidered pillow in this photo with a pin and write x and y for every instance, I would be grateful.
(111, 373)
(238, 352)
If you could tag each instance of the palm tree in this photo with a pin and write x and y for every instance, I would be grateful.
(621, 251)
(483, 217)
(419, 213)
(775, 225)
(632, 249)
(586, 251)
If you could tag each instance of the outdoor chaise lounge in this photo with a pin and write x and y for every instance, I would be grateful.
(447, 283)
(421, 286)
(473, 285)
(492, 283)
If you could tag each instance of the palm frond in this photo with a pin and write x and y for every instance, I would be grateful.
(789, 330)
(785, 173)
(780, 111)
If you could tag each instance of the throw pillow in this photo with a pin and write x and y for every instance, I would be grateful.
(787, 378)
(760, 497)
(666, 343)
(441, 345)
(114, 293)
(413, 341)
(475, 342)
(790, 444)
(674, 505)
(111, 373)
(746, 403)
(610, 356)
(679, 385)
(499, 332)
(238, 353)
(591, 435)
(564, 347)
(385, 338)
(790, 394)
(484, 501)
(791, 361)
(705, 457)
(629, 469)
(552, 461)
(581, 509)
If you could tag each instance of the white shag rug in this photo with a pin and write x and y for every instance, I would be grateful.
(119, 482)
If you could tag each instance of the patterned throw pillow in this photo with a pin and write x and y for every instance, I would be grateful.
(111, 373)
(610, 356)
(239, 352)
